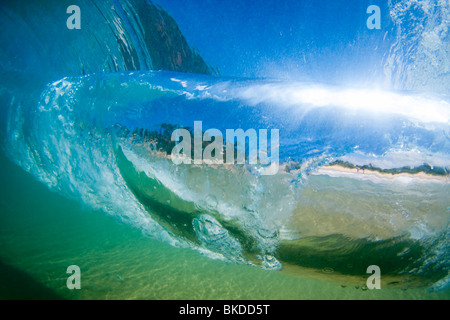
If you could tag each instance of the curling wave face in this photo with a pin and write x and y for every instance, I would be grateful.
(362, 177)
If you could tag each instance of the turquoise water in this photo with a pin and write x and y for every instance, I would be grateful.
(40, 239)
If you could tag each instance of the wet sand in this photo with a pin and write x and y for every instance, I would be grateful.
(376, 176)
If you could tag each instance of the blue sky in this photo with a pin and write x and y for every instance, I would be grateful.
(320, 40)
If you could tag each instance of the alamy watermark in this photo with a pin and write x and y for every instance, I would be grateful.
(211, 148)
(374, 20)
(74, 281)
(374, 281)
(74, 20)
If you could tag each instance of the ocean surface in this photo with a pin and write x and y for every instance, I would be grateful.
(357, 128)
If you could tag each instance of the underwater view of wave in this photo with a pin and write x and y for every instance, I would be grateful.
(359, 175)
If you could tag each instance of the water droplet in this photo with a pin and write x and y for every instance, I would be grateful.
(327, 270)
(211, 202)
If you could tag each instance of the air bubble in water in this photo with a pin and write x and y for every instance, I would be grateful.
(271, 263)
(211, 202)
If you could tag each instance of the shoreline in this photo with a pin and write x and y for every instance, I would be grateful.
(344, 170)
(339, 171)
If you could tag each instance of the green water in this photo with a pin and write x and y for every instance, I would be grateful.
(42, 233)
